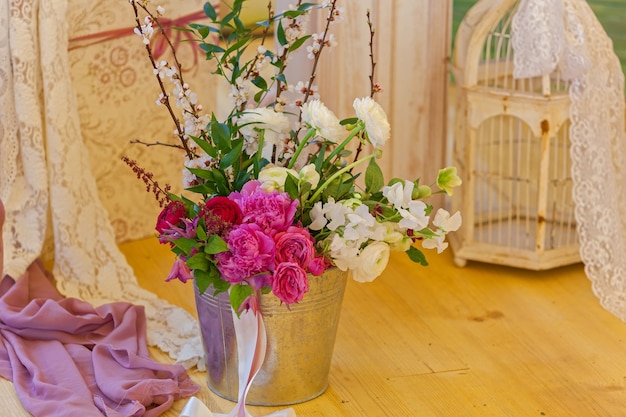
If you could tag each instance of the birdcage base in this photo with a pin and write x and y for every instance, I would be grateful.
(537, 260)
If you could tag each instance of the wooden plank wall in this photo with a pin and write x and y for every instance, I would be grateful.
(412, 50)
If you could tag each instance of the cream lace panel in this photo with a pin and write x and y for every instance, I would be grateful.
(47, 174)
(581, 50)
(116, 94)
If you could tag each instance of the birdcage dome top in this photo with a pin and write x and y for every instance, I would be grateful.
(484, 55)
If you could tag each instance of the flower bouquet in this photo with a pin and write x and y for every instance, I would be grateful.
(281, 189)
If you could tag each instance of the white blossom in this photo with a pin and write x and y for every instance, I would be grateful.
(376, 123)
(324, 121)
(445, 222)
(399, 194)
(435, 242)
(414, 217)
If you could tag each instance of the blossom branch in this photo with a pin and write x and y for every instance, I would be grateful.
(329, 20)
(374, 87)
(165, 97)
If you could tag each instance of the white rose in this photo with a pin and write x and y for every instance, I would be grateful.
(273, 177)
(373, 260)
(275, 124)
(375, 119)
(310, 175)
(319, 117)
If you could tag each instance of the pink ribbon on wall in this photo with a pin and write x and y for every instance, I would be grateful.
(159, 41)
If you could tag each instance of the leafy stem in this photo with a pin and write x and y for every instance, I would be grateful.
(337, 174)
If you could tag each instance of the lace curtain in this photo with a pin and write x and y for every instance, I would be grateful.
(46, 180)
(565, 35)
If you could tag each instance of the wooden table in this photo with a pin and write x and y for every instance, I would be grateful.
(480, 341)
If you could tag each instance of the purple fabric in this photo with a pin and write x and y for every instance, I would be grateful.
(66, 357)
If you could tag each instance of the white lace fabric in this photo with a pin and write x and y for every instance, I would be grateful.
(565, 35)
(46, 181)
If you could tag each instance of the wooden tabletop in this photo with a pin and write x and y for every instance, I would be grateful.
(482, 340)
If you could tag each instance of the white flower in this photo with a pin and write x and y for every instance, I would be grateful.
(344, 253)
(397, 240)
(319, 117)
(435, 242)
(414, 217)
(375, 119)
(372, 262)
(447, 223)
(273, 177)
(318, 220)
(276, 125)
(399, 194)
(336, 213)
(310, 175)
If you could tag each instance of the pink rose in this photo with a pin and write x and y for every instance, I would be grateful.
(318, 265)
(289, 282)
(219, 213)
(251, 253)
(274, 211)
(171, 215)
(294, 245)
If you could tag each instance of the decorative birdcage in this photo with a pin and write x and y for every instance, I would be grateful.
(512, 149)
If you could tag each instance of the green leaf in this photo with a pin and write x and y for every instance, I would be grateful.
(298, 43)
(205, 174)
(417, 256)
(185, 244)
(349, 121)
(231, 157)
(203, 30)
(214, 245)
(263, 23)
(291, 186)
(211, 48)
(374, 179)
(205, 145)
(201, 233)
(258, 96)
(280, 77)
(198, 262)
(221, 183)
(209, 10)
(220, 133)
(211, 276)
(260, 82)
(280, 34)
(206, 188)
(238, 294)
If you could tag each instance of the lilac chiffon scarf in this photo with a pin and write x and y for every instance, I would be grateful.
(68, 358)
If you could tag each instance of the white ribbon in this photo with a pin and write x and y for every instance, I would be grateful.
(251, 349)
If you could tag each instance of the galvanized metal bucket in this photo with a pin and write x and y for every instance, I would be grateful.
(300, 343)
